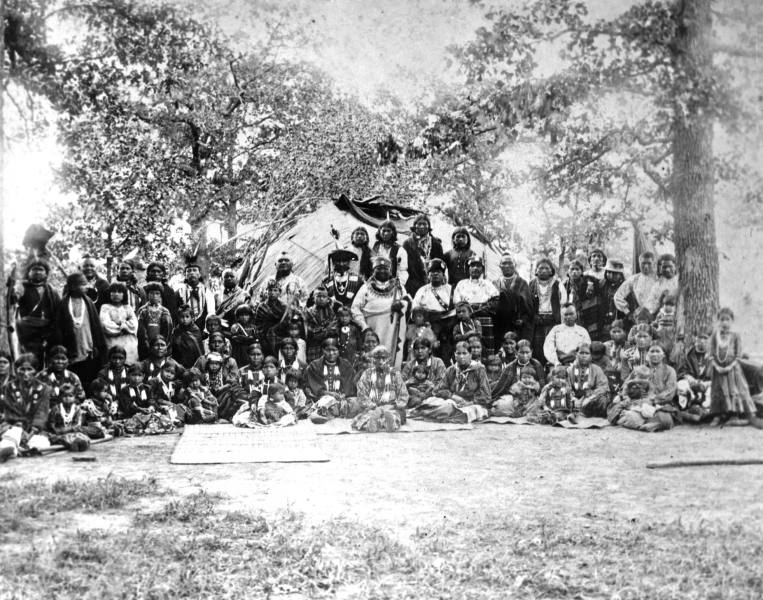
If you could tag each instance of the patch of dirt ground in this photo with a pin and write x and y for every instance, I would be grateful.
(415, 480)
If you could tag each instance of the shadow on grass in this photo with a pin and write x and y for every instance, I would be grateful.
(193, 548)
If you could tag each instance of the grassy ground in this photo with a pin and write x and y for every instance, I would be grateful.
(496, 512)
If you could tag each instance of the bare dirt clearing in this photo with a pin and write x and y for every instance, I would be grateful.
(410, 481)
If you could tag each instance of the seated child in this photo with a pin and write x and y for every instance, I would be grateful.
(153, 318)
(295, 331)
(634, 407)
(555, 402)
(665, 329)
(500, 382)
(228, 371)
(616, 344)
(100, 409)
(524, 394)
(251, 375)
(475, 347)
(57, 375)
(295, 395)
(600, 359)
(419, 386)
(465, 324)
(694, 379)
(524, 358)
(133, 398)
(164, 393)
(641, 316)
(114, 374)
(200, 403)
(187, 345)
(214, 324)
(508, 351)
(348, 335)
(66, 421)
(419, 328)
(243, 334)
(273, 409)
(636, 355)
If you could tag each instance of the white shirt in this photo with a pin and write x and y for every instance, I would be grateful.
(425, 297)
(565, 339)
(474, 291)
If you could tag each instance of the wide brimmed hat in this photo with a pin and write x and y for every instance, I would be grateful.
(343, 254)
(615, 266)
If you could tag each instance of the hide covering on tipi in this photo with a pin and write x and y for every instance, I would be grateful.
(309, 240)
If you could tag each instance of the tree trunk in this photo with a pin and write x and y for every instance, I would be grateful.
(4, 331)
(693, 179)
(231, 218)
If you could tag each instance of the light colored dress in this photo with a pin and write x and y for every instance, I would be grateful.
(115, 319)
(371, 308)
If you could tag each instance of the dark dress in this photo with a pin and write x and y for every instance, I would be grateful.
(417, 262)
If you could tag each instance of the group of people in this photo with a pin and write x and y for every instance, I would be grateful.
(394, 331)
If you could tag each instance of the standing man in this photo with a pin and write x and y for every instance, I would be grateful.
(97, 286)
(514, 311)
(548, 297)
(38, 305)
(342, 285)
(640, 289)
(562, 342)
(194, 293)
(380, 305)
(230, 298)
(421, 247)
(596, 261)
(293, 289)
(458, 257)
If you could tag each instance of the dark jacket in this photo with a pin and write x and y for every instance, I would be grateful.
(65, 329)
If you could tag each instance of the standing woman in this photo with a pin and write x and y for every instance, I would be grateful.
(730, 395)
(548, 295)
(421, 247)
(386, 245)
(79, 330)
(120, 325)
(482, 295)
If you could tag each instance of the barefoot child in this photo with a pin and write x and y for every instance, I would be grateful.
(556, 402)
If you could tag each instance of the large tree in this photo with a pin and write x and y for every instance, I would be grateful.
(622, 108)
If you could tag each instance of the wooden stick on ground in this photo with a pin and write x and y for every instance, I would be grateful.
(673, 464)
(59, 448)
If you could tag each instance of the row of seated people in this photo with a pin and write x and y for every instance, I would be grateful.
(631, 385)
